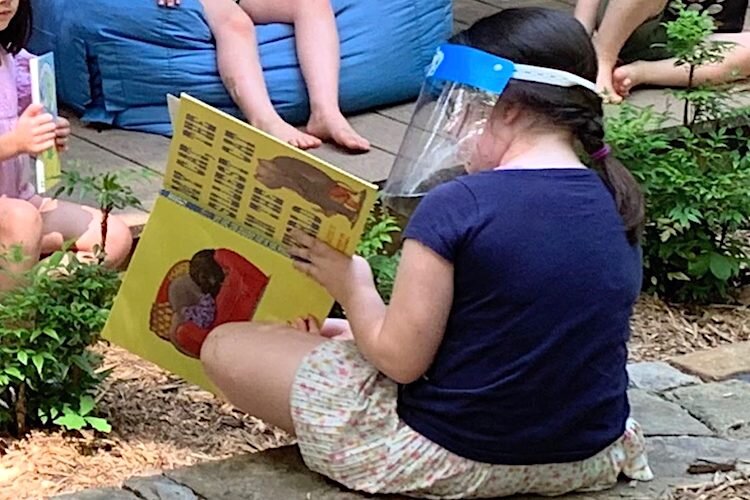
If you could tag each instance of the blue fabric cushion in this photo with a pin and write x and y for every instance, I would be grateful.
(116, 60)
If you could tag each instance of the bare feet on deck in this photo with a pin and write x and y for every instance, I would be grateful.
(626, 77)
(287, 133)
(335, 128)
(606, 85)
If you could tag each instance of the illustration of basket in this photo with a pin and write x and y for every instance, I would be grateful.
(161, 311)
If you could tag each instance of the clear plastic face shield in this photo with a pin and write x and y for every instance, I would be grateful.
(461, 89)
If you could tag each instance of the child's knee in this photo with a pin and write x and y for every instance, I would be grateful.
(19, 215)
(238, 22)
(212, 351)
(311, 5)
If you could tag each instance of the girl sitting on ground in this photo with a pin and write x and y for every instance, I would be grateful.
(38, 225)
(499, 366)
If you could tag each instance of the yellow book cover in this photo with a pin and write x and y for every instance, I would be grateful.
(213, 250)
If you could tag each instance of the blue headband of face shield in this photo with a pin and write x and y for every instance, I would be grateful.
(479, 69)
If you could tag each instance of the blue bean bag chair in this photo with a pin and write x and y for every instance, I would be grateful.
(116, 59)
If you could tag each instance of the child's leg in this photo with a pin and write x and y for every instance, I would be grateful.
(736, 66)
(254, 365)
(620, 21)
(64, 221)
(20, 224)
(240, 69)
(319, 56)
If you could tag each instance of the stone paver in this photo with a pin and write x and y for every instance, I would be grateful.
(720, 363)
(100, 494)
(663, 418)
(671, 456)
(656, 376)
(274, 474)
(159, 488)
(723, 406)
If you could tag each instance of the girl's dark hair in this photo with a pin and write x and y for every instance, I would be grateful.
(206, 272)
(14, 37)
(554, 39)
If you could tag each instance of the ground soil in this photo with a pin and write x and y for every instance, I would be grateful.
(160, 422)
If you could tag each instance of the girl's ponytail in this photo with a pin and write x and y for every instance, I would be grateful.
(621, 183)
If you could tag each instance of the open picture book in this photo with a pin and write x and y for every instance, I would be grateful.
(46, 167)
(214, 248)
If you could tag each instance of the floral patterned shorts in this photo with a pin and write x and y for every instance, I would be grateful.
(344, 414)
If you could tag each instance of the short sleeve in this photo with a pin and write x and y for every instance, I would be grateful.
(23, 80)
(444, 219)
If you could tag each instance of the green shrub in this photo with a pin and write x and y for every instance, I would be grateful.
(695, 176)
(48, 373)
(375, 246)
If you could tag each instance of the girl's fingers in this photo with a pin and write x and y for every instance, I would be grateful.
(45, 128)
(62, 131)
(299, 253)
(43, 119)
(45, 138)
(41, 147)
(307, 269)
(298, 324)
(313, 325)
(303, 239)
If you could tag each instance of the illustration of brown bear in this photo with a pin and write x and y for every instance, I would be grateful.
(312, 184)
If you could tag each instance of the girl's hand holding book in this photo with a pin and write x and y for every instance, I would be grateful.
(62, 132)
(336, 272)
(35, 131)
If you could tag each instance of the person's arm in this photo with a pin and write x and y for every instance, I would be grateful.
(400, 340)
(586, 12)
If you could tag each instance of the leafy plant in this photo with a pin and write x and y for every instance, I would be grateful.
(48, 373)
(46, 327)
(375, 246)
(110, 190)
(695, 177)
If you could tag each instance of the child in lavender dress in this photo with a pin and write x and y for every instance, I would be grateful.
(38, 225)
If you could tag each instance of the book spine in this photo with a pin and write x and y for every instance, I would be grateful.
(36, 98)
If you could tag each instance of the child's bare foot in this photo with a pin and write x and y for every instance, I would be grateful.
(334, 127)
(605, 84)
(625, 78)
(287, 133)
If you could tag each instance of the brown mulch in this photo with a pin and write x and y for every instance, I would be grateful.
(731, 487)
(662, 331)
(160, 422)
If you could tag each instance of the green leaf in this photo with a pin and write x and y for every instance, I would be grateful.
(23, 358)
(52, 334)
(86, 405)
(71, 421)
(721, 266)
(99, 424)
(14, 372)
(38, 361)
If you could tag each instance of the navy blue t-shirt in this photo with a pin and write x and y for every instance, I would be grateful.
(532, 366)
